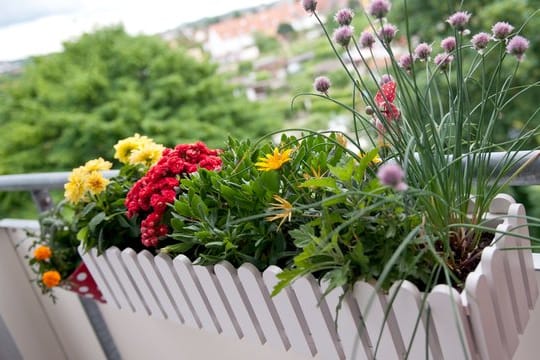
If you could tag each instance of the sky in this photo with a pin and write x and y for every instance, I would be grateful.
(36, 27)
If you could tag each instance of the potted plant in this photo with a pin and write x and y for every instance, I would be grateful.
(400, 224)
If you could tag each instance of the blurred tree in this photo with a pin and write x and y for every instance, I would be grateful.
(72, 106)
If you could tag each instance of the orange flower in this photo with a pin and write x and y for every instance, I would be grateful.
(42, 253)
(51, 278)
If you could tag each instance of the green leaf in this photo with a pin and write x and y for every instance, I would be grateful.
(325, 182)
(96, 220)
(82, 234)
(343, 172)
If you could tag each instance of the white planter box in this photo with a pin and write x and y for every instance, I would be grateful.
(481, 322)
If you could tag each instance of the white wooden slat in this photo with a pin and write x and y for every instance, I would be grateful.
(518, 214)
(184, 270)
(483, 318)
(449, 319)
(500, 204)
(379, 325)
(241, 307)
(146, 260)
(318, 318)
(185, 308)
(264, 309)
(350, 328)
(220, 304)
(492, 265)
(129, 256)
(512, 265)
(114, 285)
(100, 280)
(115, 260)
(419, 341)
(291, 314)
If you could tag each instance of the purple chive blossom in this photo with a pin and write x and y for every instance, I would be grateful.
(501, 30)
(392, 175)
(517, 46)
(343, 35)
(443, 60)
(344, 16)
(386, 78)
(322, 84)
(405, 61)
(388, 33)
(379, 8)
(422, 51)
(309, 5)
(480, 41)
(367, 39)
(459, 20)
(448, 44)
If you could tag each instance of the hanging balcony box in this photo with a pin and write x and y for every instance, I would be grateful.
(483, 321)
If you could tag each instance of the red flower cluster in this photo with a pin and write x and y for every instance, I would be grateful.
(151, 194)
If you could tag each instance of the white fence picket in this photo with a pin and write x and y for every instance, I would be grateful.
(184, 270)
(129, 256)
(379, 322)
(483, 318)
(351, 330)
(240, 305)
(146, 260)
(291, 314)
(114, 285)
(419, 341)
(264, 309)
(99, 278)
(218, 300)
(517, 213)
(449, 319)
(493, 267)
(318, 318)
(165, 266)
(115, 260)
(512, 265)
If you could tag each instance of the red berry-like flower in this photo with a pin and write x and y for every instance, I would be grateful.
(151, 195)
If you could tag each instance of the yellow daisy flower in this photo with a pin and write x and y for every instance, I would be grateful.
(273, 161)
(285, 207)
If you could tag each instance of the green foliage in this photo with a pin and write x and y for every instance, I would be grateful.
(74, 105)
(102, 222)
(225, 215)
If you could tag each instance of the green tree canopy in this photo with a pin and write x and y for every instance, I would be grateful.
(72, 106)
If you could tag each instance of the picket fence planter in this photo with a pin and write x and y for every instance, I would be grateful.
(481, 322)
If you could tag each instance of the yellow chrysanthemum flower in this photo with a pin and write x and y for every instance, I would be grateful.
(273, 161)
(284, 206)
(95, 182)
(147, 155)
(51, 278)
(97, 165)
(125, 147)
(75, 188)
